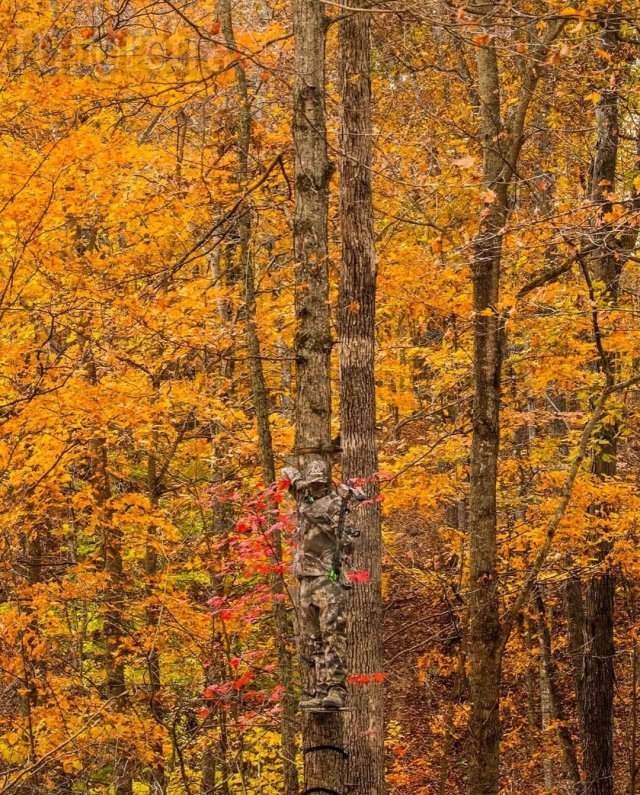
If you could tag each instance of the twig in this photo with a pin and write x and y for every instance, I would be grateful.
(184, 260)
(559, 513)
(28, 771)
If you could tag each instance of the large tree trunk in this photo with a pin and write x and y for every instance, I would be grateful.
(312, 173)
(282, 624)
(322, 734)
(365, 727)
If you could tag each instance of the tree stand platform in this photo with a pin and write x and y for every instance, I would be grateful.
(325, 710)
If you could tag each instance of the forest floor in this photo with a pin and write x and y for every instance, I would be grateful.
(413, 622)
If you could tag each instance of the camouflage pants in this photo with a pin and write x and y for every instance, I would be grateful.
(323, 630)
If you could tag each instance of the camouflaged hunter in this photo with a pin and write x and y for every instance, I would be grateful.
(324, 550)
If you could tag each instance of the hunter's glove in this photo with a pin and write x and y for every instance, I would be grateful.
(351, 492)
(292, 475)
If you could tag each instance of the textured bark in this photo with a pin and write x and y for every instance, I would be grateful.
(484, 619)
(633, 753)
(282, 624)
(598, 686)
(530, 637)
(574, 609)
(312, 172)
(364, 722)
(323, 767)
(553, 705)
(215, 757)
(546, 707)
(598, 683)
(501, 144)
(157, 778)
(114, 598)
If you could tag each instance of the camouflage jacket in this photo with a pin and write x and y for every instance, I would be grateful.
(317, 536)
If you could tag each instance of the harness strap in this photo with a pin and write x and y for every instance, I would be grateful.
(336, 748)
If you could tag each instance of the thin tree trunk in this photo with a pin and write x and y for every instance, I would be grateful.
(553, 705)
(113, 616)
(282, 624)
(158, 783)
(546, 716)
(532, 708)
(574, 610)
(484, 619)
(322, 734)
(215, 757)
(633, 764)
(501, 149)
(357, 300)
(598, 685)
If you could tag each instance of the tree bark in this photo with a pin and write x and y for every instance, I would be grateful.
(158, 782)
(546, 707)
(357, 302)
(633, 766)
(113, 617)
(501, 145)
(484, 619)
(598, 686)
(549, 684)
(574, 609)
(322, 734)
(312, 173)
(598, 681)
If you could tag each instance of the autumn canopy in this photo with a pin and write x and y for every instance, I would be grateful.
(401, 237)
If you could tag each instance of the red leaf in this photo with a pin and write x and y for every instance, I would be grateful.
(243, 680)
(365, 679)
(277, 693)
(358, 576)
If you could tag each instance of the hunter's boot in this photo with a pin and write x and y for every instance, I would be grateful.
(315, 701)
(335, 698)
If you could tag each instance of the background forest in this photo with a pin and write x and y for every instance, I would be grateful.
(216, 223)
